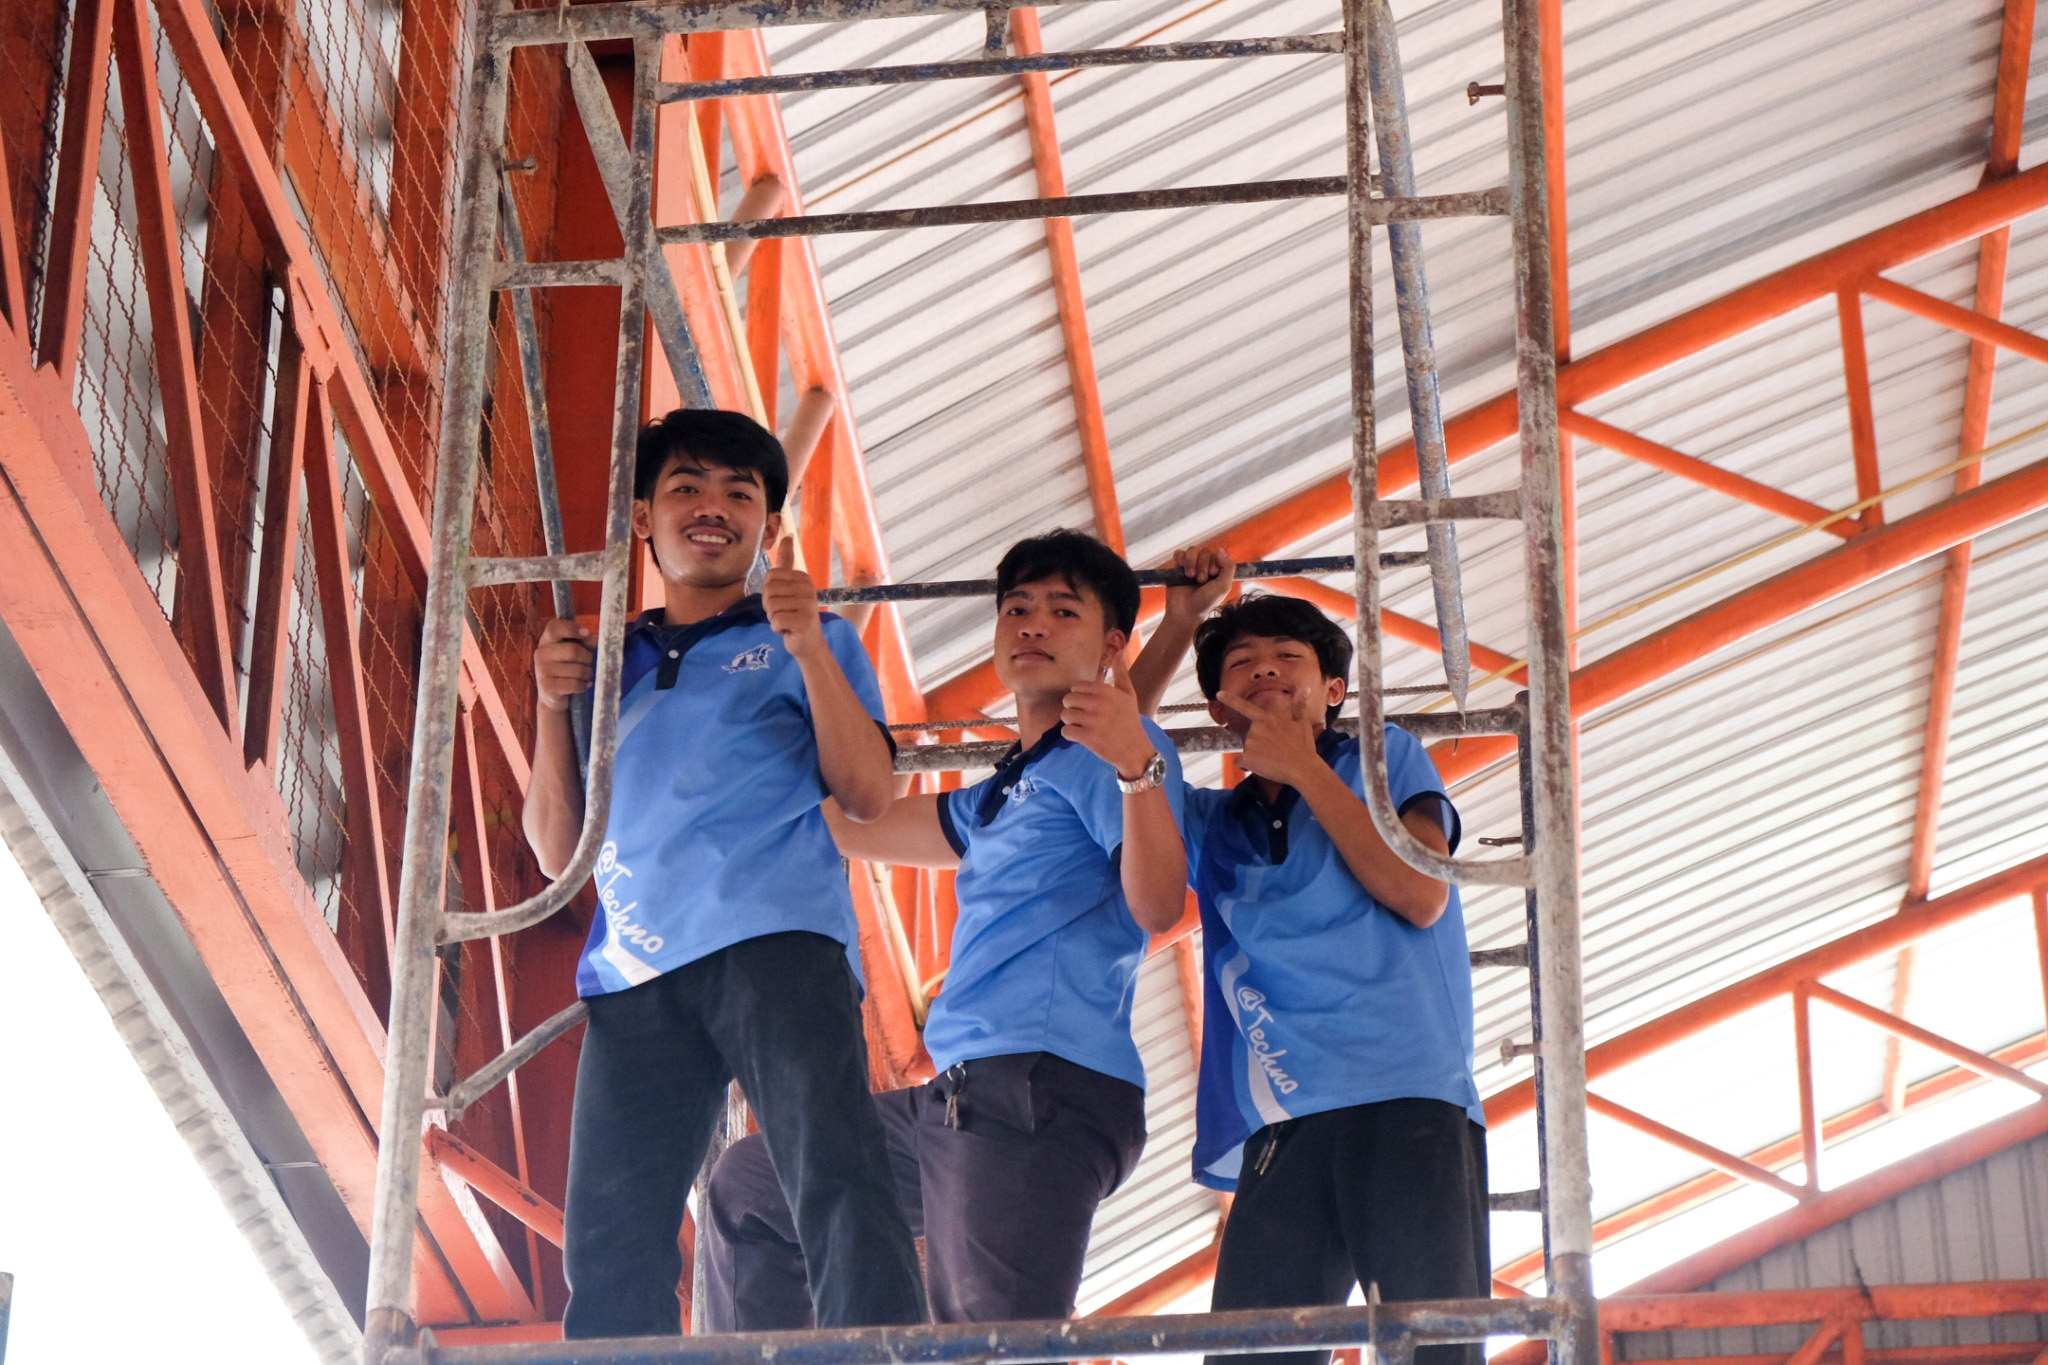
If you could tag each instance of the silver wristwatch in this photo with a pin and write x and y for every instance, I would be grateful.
(1153, 774)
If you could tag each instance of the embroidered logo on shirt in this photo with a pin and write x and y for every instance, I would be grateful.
(749, 660)
(1253, 1018)
(1023, 790)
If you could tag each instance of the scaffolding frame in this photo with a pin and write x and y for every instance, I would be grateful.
(489, 259)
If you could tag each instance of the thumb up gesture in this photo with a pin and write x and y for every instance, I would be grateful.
(790, 599)
(1103, 717)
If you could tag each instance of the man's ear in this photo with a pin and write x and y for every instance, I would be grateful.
(1335, 690)
(1221, 714)
(771, 532)
(643, 519)
(1113, 645)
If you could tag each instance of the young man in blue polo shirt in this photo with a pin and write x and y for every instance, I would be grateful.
(724, 941)
(1336, 1093)
(1070, 857)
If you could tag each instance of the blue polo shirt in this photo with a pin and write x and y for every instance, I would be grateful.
(715, 834)
(1045, 952)
(1316, 996)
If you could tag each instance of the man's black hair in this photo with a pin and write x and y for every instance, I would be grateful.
(1082, 562)
(728, 440)
(1270, 617)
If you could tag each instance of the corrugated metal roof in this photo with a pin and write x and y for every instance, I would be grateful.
(1744, 809)
(1985, 1222)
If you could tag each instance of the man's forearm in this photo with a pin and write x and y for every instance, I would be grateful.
(852, 753)
(1164, 649)
(1154, 871)
(552, 816)
(1415, 896)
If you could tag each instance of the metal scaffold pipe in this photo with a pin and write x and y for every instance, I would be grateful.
(1147, 578)
(1418, 344)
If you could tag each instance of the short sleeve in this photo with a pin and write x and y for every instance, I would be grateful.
(1414, 781)
(1198, 807)
(956, 813)
(845, 645)
(1095, 797)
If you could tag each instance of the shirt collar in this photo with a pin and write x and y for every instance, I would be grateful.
(745, 612)
(1011, 766)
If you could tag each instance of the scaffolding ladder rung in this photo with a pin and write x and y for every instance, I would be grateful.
(857, 78)
(1147, 578)
(1470, 204)
(1391, 512)
(1515, 1201)
(487, 1077)
(586, 566)
(559, 274)
(1514, 955)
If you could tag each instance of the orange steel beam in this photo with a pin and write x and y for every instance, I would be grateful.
(1751, 610)
(1066, 286)
(1844, 1201)
(13, 265)
(1912, 923)
(69, 230)
(1406, 629)
(457, 1158)
(1699, 471)
(1862, 416)
(1712, 1155)
(1327, 504)
(1810, 1135)
(237, 140)
(213, 836)
(1633, 1312)
(200, 614)
(1988, 1067)
(270, 630)
(1777, 1155)
(1969, 323)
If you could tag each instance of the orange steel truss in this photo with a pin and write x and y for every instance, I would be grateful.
(215, 567)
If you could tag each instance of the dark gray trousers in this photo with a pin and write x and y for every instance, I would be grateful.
(782, 1015)
(999, 1164)
(1392, 1193)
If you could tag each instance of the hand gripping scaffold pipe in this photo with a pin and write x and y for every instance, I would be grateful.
(1547, 867)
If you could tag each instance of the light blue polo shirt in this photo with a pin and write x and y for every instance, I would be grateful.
(1316, 996)
(1045, 952)
(715, 834)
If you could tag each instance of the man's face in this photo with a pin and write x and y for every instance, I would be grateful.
(1051, 635)
(705, 522)
(1274, 672)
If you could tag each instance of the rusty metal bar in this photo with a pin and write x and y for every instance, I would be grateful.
(1389, 1327)
(586, 566)
(1147, 578)
(390, 1316)
(540, 434)
(487, 1077)
(557, 274)
(1418, 344)
(1217, 739)
(625, 19)
(1471, 204)
(852, 78)
(623, 172)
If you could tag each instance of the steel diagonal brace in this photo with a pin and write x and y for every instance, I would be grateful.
(1418, 344)
(615, 168)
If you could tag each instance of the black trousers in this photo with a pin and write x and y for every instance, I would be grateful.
(781, 1014)
(1392, 1193)
(999, 1163)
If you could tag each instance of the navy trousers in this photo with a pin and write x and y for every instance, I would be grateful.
(1392, 1193)
(781, 1014)
(999, 1163)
